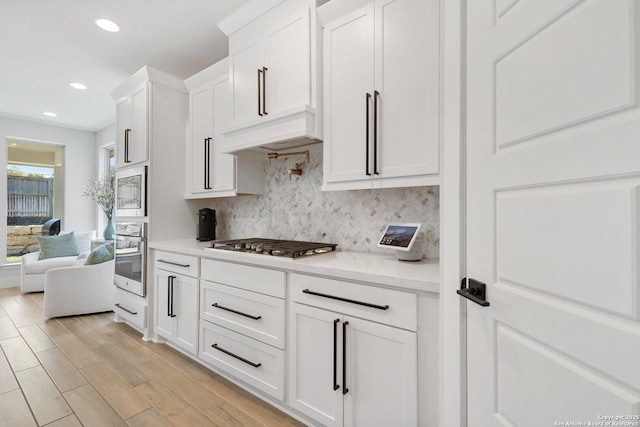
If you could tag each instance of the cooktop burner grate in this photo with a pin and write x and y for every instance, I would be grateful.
(274, 247)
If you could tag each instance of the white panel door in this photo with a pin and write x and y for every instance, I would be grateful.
(201, 122)
(164, 320)
(553, 181)
(314, 374)
(246, 83)
(381, 375)
(124, 116)
(288, 78)
(348, 77)
(186, 309)
(407, 81)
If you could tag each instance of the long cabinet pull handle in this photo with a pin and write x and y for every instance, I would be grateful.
(172, 278)
(206, 154)
(335, 354)
(345, 390)
(352, 301)
(126, 145)
(259, 92)
(264, 91)
(168, 296)
(376, 94)
(216, 305)
(209, 163)
(174, 263)
(366, 156)
(126, 309)
(242, 359)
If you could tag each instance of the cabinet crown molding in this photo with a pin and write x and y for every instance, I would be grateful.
(144, 75)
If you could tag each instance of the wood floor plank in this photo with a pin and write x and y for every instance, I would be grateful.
(91, 409)
(7, 380)
(148, 418)
(15, 411)
(9, 302)
(130, 371)
(171, 406)
(90, 339)
(75, 350)
(7, 328)
(122, 397)
(19, 317)
(51, 327)
(37, 297)
(216, 408)
(60, 369)
(68, 421)
(44, 399)
(18, 354)
(36, 339)
(28, 304)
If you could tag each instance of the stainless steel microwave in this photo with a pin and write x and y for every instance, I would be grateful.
(131, 192)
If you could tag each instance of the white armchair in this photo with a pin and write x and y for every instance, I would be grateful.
(33, 268)
(79, 289)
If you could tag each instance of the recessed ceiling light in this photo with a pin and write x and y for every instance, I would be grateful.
(107, 25)
(50, 114)
(77, 86)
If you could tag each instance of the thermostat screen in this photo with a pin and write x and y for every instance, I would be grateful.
(398, 235)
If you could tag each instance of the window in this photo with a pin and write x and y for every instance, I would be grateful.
(34, 194)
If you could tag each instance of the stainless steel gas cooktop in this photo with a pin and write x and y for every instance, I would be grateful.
(274, 247)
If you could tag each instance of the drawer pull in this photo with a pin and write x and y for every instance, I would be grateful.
(127, 310)
(352, 301)
(236, 312)
(242, 359)
(174, 263)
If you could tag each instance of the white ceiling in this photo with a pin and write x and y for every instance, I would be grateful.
(45, 45)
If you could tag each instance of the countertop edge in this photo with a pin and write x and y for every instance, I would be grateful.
(332, 264)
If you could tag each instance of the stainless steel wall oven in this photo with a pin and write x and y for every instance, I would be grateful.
(131, 256)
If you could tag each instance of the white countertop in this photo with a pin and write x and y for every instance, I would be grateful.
(379, 269)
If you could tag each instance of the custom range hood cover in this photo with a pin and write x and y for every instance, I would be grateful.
(275, 93)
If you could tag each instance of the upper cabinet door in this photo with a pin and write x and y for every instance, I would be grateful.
(247, 82)
(288, 73)
(407, 85)
(348, 90)
(201, 127)
(133, 122)
(124, 117)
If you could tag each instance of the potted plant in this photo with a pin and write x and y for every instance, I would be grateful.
(103, 193)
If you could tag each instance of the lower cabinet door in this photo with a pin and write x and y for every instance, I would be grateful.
(254, 362)
(315, 358)
(164, 321)
(381, 375)
(185, 310)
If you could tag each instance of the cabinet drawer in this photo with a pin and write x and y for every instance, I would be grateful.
(387, 306)
(256, 279)
(177, 263)
(256, 363)
(130, 308)
(258, 316)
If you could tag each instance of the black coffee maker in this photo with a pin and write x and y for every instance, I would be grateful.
(206, 224)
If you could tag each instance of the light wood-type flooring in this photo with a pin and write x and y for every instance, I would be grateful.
(88, 370)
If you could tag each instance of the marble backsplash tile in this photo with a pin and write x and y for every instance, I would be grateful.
(296, 209)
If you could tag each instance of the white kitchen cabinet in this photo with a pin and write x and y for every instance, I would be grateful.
(177, 300)
(346, 370)
(273, 75)
(132, 146)
(210, 171)
(381, 94)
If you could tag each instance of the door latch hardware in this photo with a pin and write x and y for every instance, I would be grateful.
(474, 290)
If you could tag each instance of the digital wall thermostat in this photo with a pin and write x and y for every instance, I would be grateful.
(403, 238)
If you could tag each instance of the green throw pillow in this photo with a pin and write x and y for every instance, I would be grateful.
(102, 253)
(57, 246)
